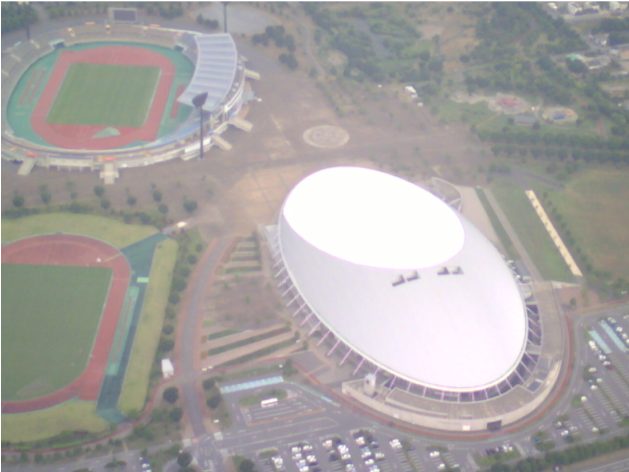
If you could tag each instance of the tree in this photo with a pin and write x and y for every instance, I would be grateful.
(214, 401)
(171, 395)
(105, 204)
(247, 465)
(192, 259)
(184, 459)
(208, 384)
(175, 414)
(99, 190)
(18, 201)
(157, 195)
(190, 205)
(163, 208)
(131, 200)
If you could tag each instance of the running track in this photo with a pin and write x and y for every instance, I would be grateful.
(62, 249)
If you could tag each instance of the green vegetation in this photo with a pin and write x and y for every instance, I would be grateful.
(38, 425)
(16, 15)
(251, 400)
(259, 353)
(105, 95)
(114, 232)
(244, 342)
(505, 240)
(532, 233)
(593, 205)
(570, 455)
(50, 315)
(222, 334)
(498, 458)
(134, 388)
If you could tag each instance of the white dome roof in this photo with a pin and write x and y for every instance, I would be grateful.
(462, 331)
(372, 218)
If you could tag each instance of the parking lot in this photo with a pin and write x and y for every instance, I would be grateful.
(358, 450)
(600, 407)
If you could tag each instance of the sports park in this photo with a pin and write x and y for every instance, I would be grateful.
(73, 304)
(111, 96)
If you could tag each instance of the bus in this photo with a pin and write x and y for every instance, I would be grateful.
(269, 402)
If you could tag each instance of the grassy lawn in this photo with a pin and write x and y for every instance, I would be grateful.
(42, 424)
(505, 240)
(594, 205)
(488, 461)
(114, 232)
(531, 231)
(50, 315)
(105, 95)
(147, 336)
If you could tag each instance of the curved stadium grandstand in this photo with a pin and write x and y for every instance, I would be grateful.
(436, 326)
(112, 96)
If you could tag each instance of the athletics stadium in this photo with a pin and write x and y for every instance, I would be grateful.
(438, 329)
(111, 96)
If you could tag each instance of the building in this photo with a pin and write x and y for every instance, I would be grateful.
(524, 120)
(396, 284)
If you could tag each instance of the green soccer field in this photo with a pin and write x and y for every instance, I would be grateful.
(105, 95)
(50, 315)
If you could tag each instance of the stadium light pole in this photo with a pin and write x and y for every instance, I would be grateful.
(28, 30)
(198, 102)
(225, 17)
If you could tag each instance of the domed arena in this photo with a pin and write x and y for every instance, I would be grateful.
(400, 287)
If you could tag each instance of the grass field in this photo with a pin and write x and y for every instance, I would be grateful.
(50, 315)
(505, 240)
(114, 232)
(594, 205)
(134, 387)
(531, 232)
(42, 424)
(105, 95)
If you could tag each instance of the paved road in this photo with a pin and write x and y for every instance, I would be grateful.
(186, 364)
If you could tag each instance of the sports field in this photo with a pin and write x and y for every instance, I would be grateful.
(50, 316)
(105, 95)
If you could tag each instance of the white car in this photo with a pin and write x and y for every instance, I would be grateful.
(434, 454)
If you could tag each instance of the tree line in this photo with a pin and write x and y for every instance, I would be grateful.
(16, 15)
(567, 456)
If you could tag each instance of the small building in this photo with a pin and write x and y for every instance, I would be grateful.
(573, 8)
(524, 120)
(411, 91)
(168, 370)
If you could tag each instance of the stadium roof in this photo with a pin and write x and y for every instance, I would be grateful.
(360, 216)
(217, 61)
(364, 250)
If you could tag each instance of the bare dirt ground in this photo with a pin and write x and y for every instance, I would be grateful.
(238, 189)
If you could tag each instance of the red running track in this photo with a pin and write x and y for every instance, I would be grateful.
(82, 136)
(62, 249)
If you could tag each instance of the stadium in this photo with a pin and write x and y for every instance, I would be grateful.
(438, 329)
(105, 97)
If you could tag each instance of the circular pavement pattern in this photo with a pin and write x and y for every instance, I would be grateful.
(326, 136)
